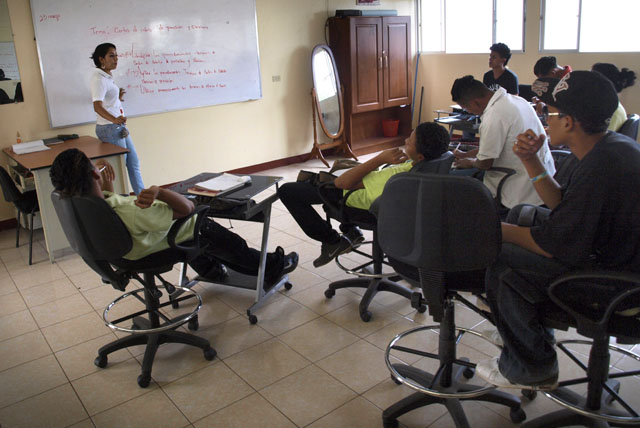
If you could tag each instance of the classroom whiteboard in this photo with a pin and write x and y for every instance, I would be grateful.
(172, 54)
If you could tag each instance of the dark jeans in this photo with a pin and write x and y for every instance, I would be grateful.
(516, 286)
(299, 198)
(232, 250)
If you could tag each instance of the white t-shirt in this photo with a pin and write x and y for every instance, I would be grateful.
(104, 88)
(505, 117)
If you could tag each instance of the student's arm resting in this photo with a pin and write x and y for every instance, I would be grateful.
(521, 236)
(526, 148)
(180, 205)
(352, 179)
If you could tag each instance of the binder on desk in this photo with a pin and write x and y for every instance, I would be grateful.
(219, 185)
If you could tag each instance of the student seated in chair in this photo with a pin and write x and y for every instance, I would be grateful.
(592, 224)
(428, 141)
(149, 216)
(504, 116)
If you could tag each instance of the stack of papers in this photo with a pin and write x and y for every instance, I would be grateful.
(30, 147)
(216, 186)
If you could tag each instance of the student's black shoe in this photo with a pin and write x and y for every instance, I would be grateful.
(289, 264)
(355, 236)
(217, 273)
(329, 252)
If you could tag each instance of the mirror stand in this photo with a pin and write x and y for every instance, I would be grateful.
(339, 141)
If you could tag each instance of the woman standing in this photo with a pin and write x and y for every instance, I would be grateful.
(111, 122)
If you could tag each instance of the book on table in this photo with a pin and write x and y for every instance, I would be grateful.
(216, 186)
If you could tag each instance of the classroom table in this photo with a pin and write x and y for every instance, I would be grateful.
(39, 164)
(247, 210)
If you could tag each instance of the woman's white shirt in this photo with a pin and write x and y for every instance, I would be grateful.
(104, 88)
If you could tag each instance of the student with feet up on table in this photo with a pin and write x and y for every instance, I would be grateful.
(428, 141)
(149, 216)
(591, 223)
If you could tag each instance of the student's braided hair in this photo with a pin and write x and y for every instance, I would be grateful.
(71, 173)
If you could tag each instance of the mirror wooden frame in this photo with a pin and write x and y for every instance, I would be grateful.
(337, 140)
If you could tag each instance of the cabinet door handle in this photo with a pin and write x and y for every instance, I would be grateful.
(379, 63)
(386, 61)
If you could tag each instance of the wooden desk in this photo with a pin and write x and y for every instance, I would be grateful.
(39, 163)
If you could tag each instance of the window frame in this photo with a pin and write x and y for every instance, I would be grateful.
(443, 18)
(543, 14)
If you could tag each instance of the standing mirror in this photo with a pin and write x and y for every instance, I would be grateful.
(326, 96)
(10, 86)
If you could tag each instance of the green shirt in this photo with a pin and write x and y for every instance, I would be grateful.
(374, 185)
(618, 118)
(148, 227)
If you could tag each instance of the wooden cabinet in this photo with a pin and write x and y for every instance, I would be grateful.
(373, 55)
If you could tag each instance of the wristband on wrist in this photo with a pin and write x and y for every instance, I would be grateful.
(539, 177)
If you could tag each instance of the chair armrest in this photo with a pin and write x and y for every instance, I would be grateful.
(508, 172)
(200, 211)
(333, 209)
(594, 297)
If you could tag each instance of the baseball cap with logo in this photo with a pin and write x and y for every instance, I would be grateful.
(587, 96)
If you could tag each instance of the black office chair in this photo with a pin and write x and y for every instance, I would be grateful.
(601, 305)
(448, 229)
(370, 274)
(525, 92)
(98, 235)
(630, 126)
(26, 204)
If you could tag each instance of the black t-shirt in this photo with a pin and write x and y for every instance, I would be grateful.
(507, 80)
(598, 220)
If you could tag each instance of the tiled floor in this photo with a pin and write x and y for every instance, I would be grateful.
(309, 362)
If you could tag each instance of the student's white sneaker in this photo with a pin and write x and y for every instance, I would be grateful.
(490, 372)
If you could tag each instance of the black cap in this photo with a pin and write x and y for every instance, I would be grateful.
(587, 96)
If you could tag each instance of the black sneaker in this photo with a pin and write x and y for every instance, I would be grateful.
(355, 236)
(289, 264)
(331, 251)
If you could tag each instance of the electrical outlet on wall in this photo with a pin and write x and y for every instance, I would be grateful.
(275, 79)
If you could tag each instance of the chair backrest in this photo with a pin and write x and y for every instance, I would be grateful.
(630, 126)
(441, 165)
(525, 92)
(9, 189)
(442, 223)
(94, 231)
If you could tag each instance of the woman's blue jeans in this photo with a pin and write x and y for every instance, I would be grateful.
(112, 133)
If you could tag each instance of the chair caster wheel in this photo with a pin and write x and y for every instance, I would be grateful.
(329, 293)
(253, 319)
(422, 309)
(529, 394)
(396, 381)
(175, 304)
(517, 415)
(468, 373)
(288, 285)
(193, 324)
(210, 354)
(143, 380)
(100, 361)
(365, 316)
